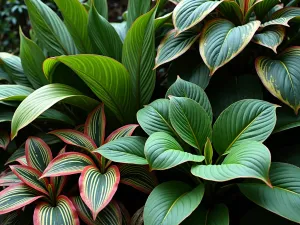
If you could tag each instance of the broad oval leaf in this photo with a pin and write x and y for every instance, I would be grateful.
(281, 76)
(163, 152)
(125, 131)
(189, 13)
(283, 16)
(14, 92)
(221, 41)
(97, 189)
(244, 120)
(248, 159)
(178, 202)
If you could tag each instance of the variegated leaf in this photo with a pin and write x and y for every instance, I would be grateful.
(124, 131)
(8, 179)
(22, 160)
(4, 139)
(283, 16)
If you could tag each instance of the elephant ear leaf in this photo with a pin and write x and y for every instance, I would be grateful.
(221, 41)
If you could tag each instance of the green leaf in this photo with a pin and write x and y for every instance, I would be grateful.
(17, 154)
(190, 121)
(280, 76)
(189, 13)
(14, 92)
(76, 20)
(121, 29)
(160, 21)
(270, 37)
(4, 139)
(50, 31)
(182, 88)
(139, 57)
(42, 99)
(112, 85)
(286, 119)
(125, 131)
(8, 179)
(136, 8)
(63, 213)
(284, 198)
(52, 114)
(32, 58)
(283, 16)
(173, 46)
(248, 159)
(101, 6)
(96, 189)
(104, 36)
(163, 152)
(244, 120)
(171, 202)
(221, 41)
(219, 215)
(124, 150)
(4, 76)
(208, 152)
(263, 7)
(231, 11)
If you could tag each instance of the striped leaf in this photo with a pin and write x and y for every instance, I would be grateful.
(138, 177)
(10, 218)
(173, 46)
(244, 120)
(160, 21)
(247, 159)
(17, 154)
(96, 189)
(139, 57)
(271, 37)
(280, 76)
(16, 197)
(63, 213)
(76, 20)
(38, 153)
(67, 164)
(231, 10)
(31, 177)
(58, 183)
(22, 160)
(124, 150)
(76, 138)
(284, 16)
(263, 7)
(101, 6)
(42, 99)
(138, 217)
(111, 214)
(4, 76)
(189, 13)
(221, 41)
(136, 8)
(49, 29)
(125, 131)
(8, 179)
(14, 92)
(95, 125)
(112, 86)
(4, 139)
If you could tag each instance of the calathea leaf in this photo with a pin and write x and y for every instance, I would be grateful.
(136, 8)
(248, 119)
(63, 213)
(280, 76)
(4, 139)
(271, 37)
(163, 152)
(189, 13)
(283, 199)
(125, 131)
(283, 16)
(247, 159)
(221, 41)
(97, 189)
(8, 179)
(179, 201)
(14, 92)
(172, 46)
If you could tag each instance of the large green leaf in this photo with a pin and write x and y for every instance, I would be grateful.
(286, 119)
(248, 159)
(101, 6)
(283, 16)
(231, 11)
(284, 198)
(139, 57)
(163, 152)
(171, 202)
(50, 31)
(189, 13)
(263, 7)
(107, 78)
(190, 121)
(244, 120)
(136, 8)
(221, 41)
(42, 99)
(281, 76)
(14, 92)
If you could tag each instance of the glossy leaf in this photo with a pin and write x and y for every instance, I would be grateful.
(208, 152)
(14, 92)
(4, 139)
(9, 178)
(286, 119)
(263, 7)
(125, 131)
(136, 8)
(160, 21)
(231, 11)
(283, 16)
(101, 6)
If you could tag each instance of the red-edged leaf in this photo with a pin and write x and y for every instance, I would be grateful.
(97, 189)
(17, 154)
(67, 164)
(15, 197)
(38, 154)
(8, 178)
(30, 176)
(138, 177)
(95, 125)
(4, 139)
(63, 213)
(124, 131)
(111, 214)
(22, 160)
(76, 138)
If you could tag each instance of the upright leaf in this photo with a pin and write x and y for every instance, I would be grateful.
(101, 6)
(208, 152)
(136, 8)
(231, 11)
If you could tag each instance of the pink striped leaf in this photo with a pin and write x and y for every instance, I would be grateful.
(124, 131)
(22, 160)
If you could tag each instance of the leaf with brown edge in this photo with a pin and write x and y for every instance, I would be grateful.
(4, 139)
(97, 189)
(124, 131)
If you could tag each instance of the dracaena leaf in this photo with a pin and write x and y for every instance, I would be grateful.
(8, 179)
(97, 189)
(63, 213)
(221, 41)
(14, 92)
(124, 131)
(38, 154)
(178, 202)
(248, 159)
(283, 16)
(16, 197)
(4, 139)
(136, 8)
(163, 152)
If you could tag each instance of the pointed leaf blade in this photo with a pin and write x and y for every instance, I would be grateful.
(4, 139)
(125, 131)
(12, 92)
